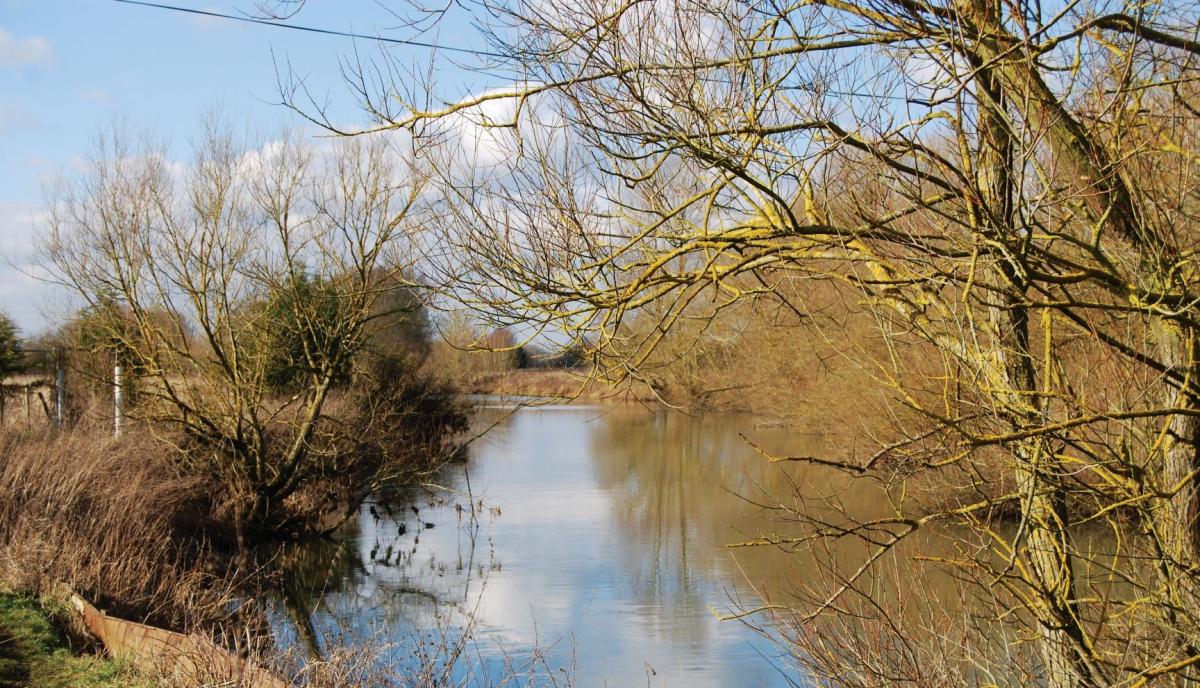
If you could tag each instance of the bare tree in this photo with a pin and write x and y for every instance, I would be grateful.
(197, 271)
(1010, 188)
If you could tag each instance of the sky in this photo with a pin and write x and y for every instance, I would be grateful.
(70, 67)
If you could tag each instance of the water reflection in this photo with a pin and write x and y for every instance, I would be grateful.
(594, 534)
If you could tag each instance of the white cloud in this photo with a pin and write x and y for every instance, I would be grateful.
(651, 31)
(18, 224)
(24, 293)
(487, 139)
(481, 135)
(16, 52)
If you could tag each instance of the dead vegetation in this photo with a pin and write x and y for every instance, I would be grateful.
(114, 520)
(119, 522)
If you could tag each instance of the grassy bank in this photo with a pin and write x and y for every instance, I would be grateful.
(35, 652)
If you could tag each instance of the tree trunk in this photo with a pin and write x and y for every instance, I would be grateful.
(1175, 523)
(1178, 527)
(1044, 517)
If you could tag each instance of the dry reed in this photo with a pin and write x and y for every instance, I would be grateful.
(113, 520)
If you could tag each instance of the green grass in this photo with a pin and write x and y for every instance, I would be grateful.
(35, 653)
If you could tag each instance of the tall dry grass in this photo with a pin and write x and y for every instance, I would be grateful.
(112, 519)
(123, 522)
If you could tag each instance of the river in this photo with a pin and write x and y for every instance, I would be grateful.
(588, 541)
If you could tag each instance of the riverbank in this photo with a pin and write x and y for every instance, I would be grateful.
(129, 527)
(118, 521)
(555, 383)
(35, 651)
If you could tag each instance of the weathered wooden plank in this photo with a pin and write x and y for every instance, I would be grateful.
(191, 657)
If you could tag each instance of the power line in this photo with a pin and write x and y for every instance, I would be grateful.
(434, 46)
(311, 29)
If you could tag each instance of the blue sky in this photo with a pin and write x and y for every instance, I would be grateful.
(68, 67)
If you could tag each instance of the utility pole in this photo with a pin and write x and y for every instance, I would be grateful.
(60, 386)
(118, 399)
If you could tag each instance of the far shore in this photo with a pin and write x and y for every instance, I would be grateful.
(555, 383)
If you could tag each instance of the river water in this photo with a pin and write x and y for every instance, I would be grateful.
(587, 541)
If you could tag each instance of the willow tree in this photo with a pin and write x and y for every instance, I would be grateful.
(1009, 189)
(196, 271)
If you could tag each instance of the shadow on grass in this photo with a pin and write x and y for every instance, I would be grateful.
(35, 652)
